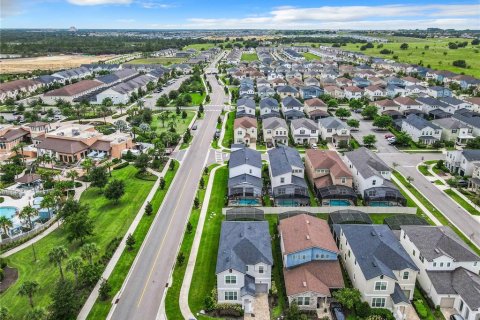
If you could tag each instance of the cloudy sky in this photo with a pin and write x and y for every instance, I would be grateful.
(231, 14)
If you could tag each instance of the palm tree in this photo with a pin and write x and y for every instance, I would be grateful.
(72, 174)
(5, 223)
(48, 202)
(105, 108)
(108, 165)
(56, 256)
(28, 213)
(140, 104)
(87, 164)
(88, 251)
(163, 117)
(36, 314)
(74, 264)
(28, 289)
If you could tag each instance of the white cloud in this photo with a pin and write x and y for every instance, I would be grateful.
(98, 2)
(353, 17)
(9, 8)
(156, 5)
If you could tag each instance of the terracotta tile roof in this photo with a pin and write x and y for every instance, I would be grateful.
(328, 159)
(13, 135)
(101, 145)
(245, 122)
(62, 145)
(74, 89)
(386, 103)
(315, 276)
(304, 231)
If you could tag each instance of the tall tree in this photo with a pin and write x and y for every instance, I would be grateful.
(5, 223)
(27, 214)
(74, 264)
(115, 190)
(88, 251)
(56, 256)
(28, 289)
(65, 302)
(98, 177)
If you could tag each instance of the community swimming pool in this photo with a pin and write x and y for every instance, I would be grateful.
(8, 212)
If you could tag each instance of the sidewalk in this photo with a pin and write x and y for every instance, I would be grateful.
(187, 280)
(53, 227)
(121, 247)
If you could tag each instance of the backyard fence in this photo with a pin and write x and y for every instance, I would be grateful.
(328, 210)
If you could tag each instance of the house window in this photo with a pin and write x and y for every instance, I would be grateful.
(269, 131)
(231, 295)
(261, 269)
(374, 182)
(378, 302)
(230, 279)
(380, 286)
(282, 180)
(329, 130)
(448, 264)
(344, 180)
(406, 275)
(441, 264)
(239, 132)
(303, 301)
(434, 264)
(302, 131)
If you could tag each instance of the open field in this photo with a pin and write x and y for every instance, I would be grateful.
(111, 220)
(433, 55)
(59, 62)
(161, 60)
(310, 56)
(181, 125)
(249, 57)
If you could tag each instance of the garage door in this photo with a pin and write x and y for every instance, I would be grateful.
(447, 302)
(261, 288)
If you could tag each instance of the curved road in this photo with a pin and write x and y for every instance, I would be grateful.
(143, 290)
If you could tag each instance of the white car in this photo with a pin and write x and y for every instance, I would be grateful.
(314, 146)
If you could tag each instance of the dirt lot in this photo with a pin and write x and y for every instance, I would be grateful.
(48, 63)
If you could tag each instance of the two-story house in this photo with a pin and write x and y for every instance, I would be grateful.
(310, 259)
(308, 92)
(244, 262)
(315, 108)
(287, 91)
(454, 130)
(245, 130)
(245, 108)
(374, 93)
(269, 107)
(462, 162)
(378, 265)
(334, 130)
(292, 109)
(245, 177)
(421, 130)
(371, 178)
(331, 179)
(304, 131)
(275, 131)
(439, 92)
(448, 268)
(353, 92)
(288, 185)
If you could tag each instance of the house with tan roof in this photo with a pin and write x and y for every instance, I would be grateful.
(310, 259)
(407, 104)
(334, 91)
(315, 108)
(20, 87)
(388, 107)
(353, 92)
(72, 91)
(245, 129)
(374, 93)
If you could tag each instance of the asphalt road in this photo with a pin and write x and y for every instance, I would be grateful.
(407, 163)
(148, 278)
(150, 102)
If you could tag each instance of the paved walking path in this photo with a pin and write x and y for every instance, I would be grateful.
(46, 232)
(87, 307)
(187, 280)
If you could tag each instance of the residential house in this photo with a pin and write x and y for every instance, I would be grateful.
(360, 82)
(374, 93)
(278, 82)
(304, 131)
(269, 108)
(334, 91)
(439, 92)
(265, 92)
(315, 109)
(122, 92)
(353, 92)
(469, 118)
(388, 107)
(334, 130)
(287, 91)
(448, 268)
(11, 136)
(244, 262)
(245, 130)
(410, 81)
(245, 108)
(286, 170)
(292, 108)
(72, 92)
(246, 89)
(407, 105)
(454, 130)
(330, 177)
(309, 92)
(245, 177)
(392, 91)
(371, 178)
(415, 90)
(378, 265)
(310, 259)
(421, 130)
(455, 104)
(275, 131)
(462, 162)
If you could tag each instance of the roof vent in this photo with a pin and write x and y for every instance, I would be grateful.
(374, 264)
(308, 237)
(436, 250)
(241, 234)
(308, 221)
(373, 233)
(304, 284)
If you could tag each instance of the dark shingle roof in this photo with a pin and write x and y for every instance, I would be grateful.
(282, 158)
(377, 249)
(419, 122)
(274, 122)
(268, 103)
(245, 156)
(245, 179)
(291, 102)
(243, 243)
(366, 162)
(471, 154)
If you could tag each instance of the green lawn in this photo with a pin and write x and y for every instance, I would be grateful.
(423, 168)
(197, 98)
(181, 125)
(111, 221)
(433, 56)
(249, 57)
(172, 306)
(101, 308)
(203, 280)
(377, 218)
(444, 221)
(462, 202)
(439, 182)
(310, 56)
(200, 46)
(228, 135)
(161, 60)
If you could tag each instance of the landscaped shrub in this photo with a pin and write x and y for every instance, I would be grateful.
(1, 275)
(384, 313)
(228, 309)
(420, 308)
(3, 263)
(363, 309)
(211, 301)
(121, 166)
(2, 199)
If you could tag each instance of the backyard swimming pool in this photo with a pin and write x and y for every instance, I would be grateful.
(337, 203)
(8, 212)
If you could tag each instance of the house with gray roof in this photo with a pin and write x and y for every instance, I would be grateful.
(275, 131)
(287, 172)
(269, 107)
(245, 177)
(379, 267)
(449, 269)
(264, 92)
(245, 108)
(371, 178)
(421, 130)
(244, 262)
(462, 162)
(454, 130)
(287, 91)
(304, 131)
(292, 109)
(333, 130)
(469, 118)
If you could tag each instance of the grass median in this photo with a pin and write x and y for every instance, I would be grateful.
(228, 134)
(117, 277)
(467, 206)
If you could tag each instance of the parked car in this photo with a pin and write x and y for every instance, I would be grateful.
(337, 311)
(456, 317)
(314, 146)
(357, 110)
(194, 127)
(462, 183)
(389, 135)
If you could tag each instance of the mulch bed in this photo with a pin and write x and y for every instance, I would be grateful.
(11, 276)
